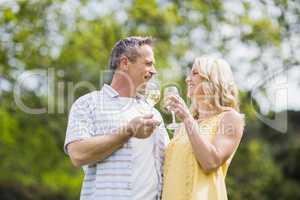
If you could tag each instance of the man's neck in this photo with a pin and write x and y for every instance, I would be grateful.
(123, 87)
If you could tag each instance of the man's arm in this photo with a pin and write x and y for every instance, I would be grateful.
(97, 148)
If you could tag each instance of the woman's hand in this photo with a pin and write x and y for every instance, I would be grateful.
(177, 104)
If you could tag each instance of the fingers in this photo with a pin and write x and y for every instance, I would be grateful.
(173, 98)
(176, 99)
(156, 122)
(148, 120)
(175, 107)
(151, 122)
(146, 129)
(147, 116)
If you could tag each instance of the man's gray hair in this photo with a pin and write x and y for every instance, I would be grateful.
(127, 47)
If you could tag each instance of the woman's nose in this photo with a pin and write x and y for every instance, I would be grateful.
(187, 79)
(188, 74)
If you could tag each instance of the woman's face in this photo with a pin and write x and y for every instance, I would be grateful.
(194, 81)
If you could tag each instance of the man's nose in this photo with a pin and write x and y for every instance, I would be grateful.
(153, 70)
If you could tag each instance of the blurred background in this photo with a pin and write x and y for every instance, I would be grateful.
(53, 51)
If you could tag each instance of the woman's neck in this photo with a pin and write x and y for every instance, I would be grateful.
(205, 111)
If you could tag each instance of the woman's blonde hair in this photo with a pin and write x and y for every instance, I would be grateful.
(219, 84)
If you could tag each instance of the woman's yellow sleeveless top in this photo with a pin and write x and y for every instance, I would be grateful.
(183, 177)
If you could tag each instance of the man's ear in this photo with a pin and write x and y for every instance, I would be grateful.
(124, 63)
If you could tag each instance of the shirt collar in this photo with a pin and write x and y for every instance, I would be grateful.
(110, 91)
(114, 94)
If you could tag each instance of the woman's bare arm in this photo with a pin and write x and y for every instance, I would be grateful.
(212, 155)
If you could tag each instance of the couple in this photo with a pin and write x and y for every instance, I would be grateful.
(127, 155)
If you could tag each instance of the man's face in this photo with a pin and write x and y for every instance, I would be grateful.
(143, 68)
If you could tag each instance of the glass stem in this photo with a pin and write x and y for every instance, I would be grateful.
(173, 117)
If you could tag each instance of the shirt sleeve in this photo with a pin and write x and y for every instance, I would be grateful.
(163, 134)
(80, 122)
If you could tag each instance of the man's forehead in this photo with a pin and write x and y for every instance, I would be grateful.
(146, 49)
(146, 52)
(149, 59)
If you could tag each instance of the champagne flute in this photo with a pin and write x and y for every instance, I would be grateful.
(152, 94)
(171, 90)
(152, 91)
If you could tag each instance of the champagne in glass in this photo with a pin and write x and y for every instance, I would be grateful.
(151, 91)
(171, 90)
(152, 94)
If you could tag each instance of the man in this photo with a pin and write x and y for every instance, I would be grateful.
(120, 148)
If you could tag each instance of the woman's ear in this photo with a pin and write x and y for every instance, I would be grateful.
(124, 63)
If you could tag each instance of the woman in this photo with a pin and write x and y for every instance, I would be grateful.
(198, 157)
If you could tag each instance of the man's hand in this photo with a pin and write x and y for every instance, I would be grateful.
(142, 126)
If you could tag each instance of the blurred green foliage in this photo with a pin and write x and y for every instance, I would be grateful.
(41, 35)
